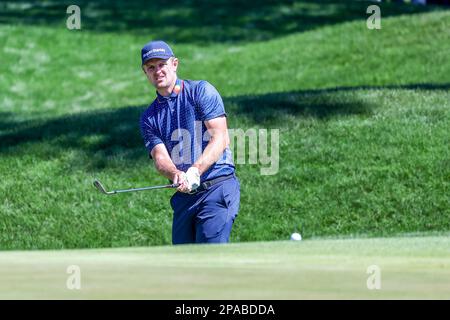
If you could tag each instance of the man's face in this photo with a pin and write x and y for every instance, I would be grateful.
(161, 72)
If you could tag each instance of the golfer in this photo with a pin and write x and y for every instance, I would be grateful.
(185, 132)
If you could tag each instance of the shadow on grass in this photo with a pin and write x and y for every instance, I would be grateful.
(7, 121)
(271, 108)
(101, 136)
(199, 21)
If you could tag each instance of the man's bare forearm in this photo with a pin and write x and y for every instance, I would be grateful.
(212, 153)
(166, 167)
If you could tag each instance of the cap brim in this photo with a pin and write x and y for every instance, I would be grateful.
(156, 57)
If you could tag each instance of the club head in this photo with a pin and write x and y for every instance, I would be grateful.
(100, 187)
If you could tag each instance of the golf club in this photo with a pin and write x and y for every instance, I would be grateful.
(102, 189)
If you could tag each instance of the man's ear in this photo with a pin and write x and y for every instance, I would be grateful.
(175, 63)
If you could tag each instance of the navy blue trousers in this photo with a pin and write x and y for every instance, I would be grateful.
(207, 216)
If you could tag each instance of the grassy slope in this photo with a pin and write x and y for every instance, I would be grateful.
(371, 160)
(410, 268)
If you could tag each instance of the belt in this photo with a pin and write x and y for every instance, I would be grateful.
(209, 183)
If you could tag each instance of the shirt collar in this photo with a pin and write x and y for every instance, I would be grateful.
(177, 89)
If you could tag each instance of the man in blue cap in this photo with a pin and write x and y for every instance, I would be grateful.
(185, 132)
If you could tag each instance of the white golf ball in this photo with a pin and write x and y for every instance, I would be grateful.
(296, 236)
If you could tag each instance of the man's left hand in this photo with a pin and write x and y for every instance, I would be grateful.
(192, 178)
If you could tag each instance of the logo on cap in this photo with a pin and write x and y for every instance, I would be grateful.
(156, 49)
(153, 51)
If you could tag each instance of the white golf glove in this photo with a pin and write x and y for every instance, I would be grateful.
(192, 177)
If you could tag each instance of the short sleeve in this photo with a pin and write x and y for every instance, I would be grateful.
(209, 102)
(149, 132)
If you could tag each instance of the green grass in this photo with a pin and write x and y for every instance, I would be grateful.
(199, 22)
(410, 268)
(363, 117)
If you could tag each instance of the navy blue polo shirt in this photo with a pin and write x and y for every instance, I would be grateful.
(177, 121)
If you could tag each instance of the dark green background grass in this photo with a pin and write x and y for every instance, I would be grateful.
(363, 117)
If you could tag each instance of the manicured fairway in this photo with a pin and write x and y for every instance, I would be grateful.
(410, 267)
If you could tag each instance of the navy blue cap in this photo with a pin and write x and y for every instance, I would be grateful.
(156, 49)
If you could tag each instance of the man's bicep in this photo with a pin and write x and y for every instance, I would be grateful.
(159, 151)
(219, 123)
(217, 127)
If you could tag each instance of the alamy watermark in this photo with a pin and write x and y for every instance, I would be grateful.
(374, 21)
(73, 22)
(374, 280)
(258, 148)
(262, 147)
(73, 282)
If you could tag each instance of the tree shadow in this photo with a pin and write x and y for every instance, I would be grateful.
(200, 21)
(272, 108)
(100, 136)
(7, 121)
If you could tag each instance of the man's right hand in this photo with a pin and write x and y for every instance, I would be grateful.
(180, 178)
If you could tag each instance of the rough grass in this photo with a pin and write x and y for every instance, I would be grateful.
(363, 118)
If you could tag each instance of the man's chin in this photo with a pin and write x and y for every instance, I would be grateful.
(160, 85)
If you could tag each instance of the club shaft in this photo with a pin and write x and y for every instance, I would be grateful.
(144, 188)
